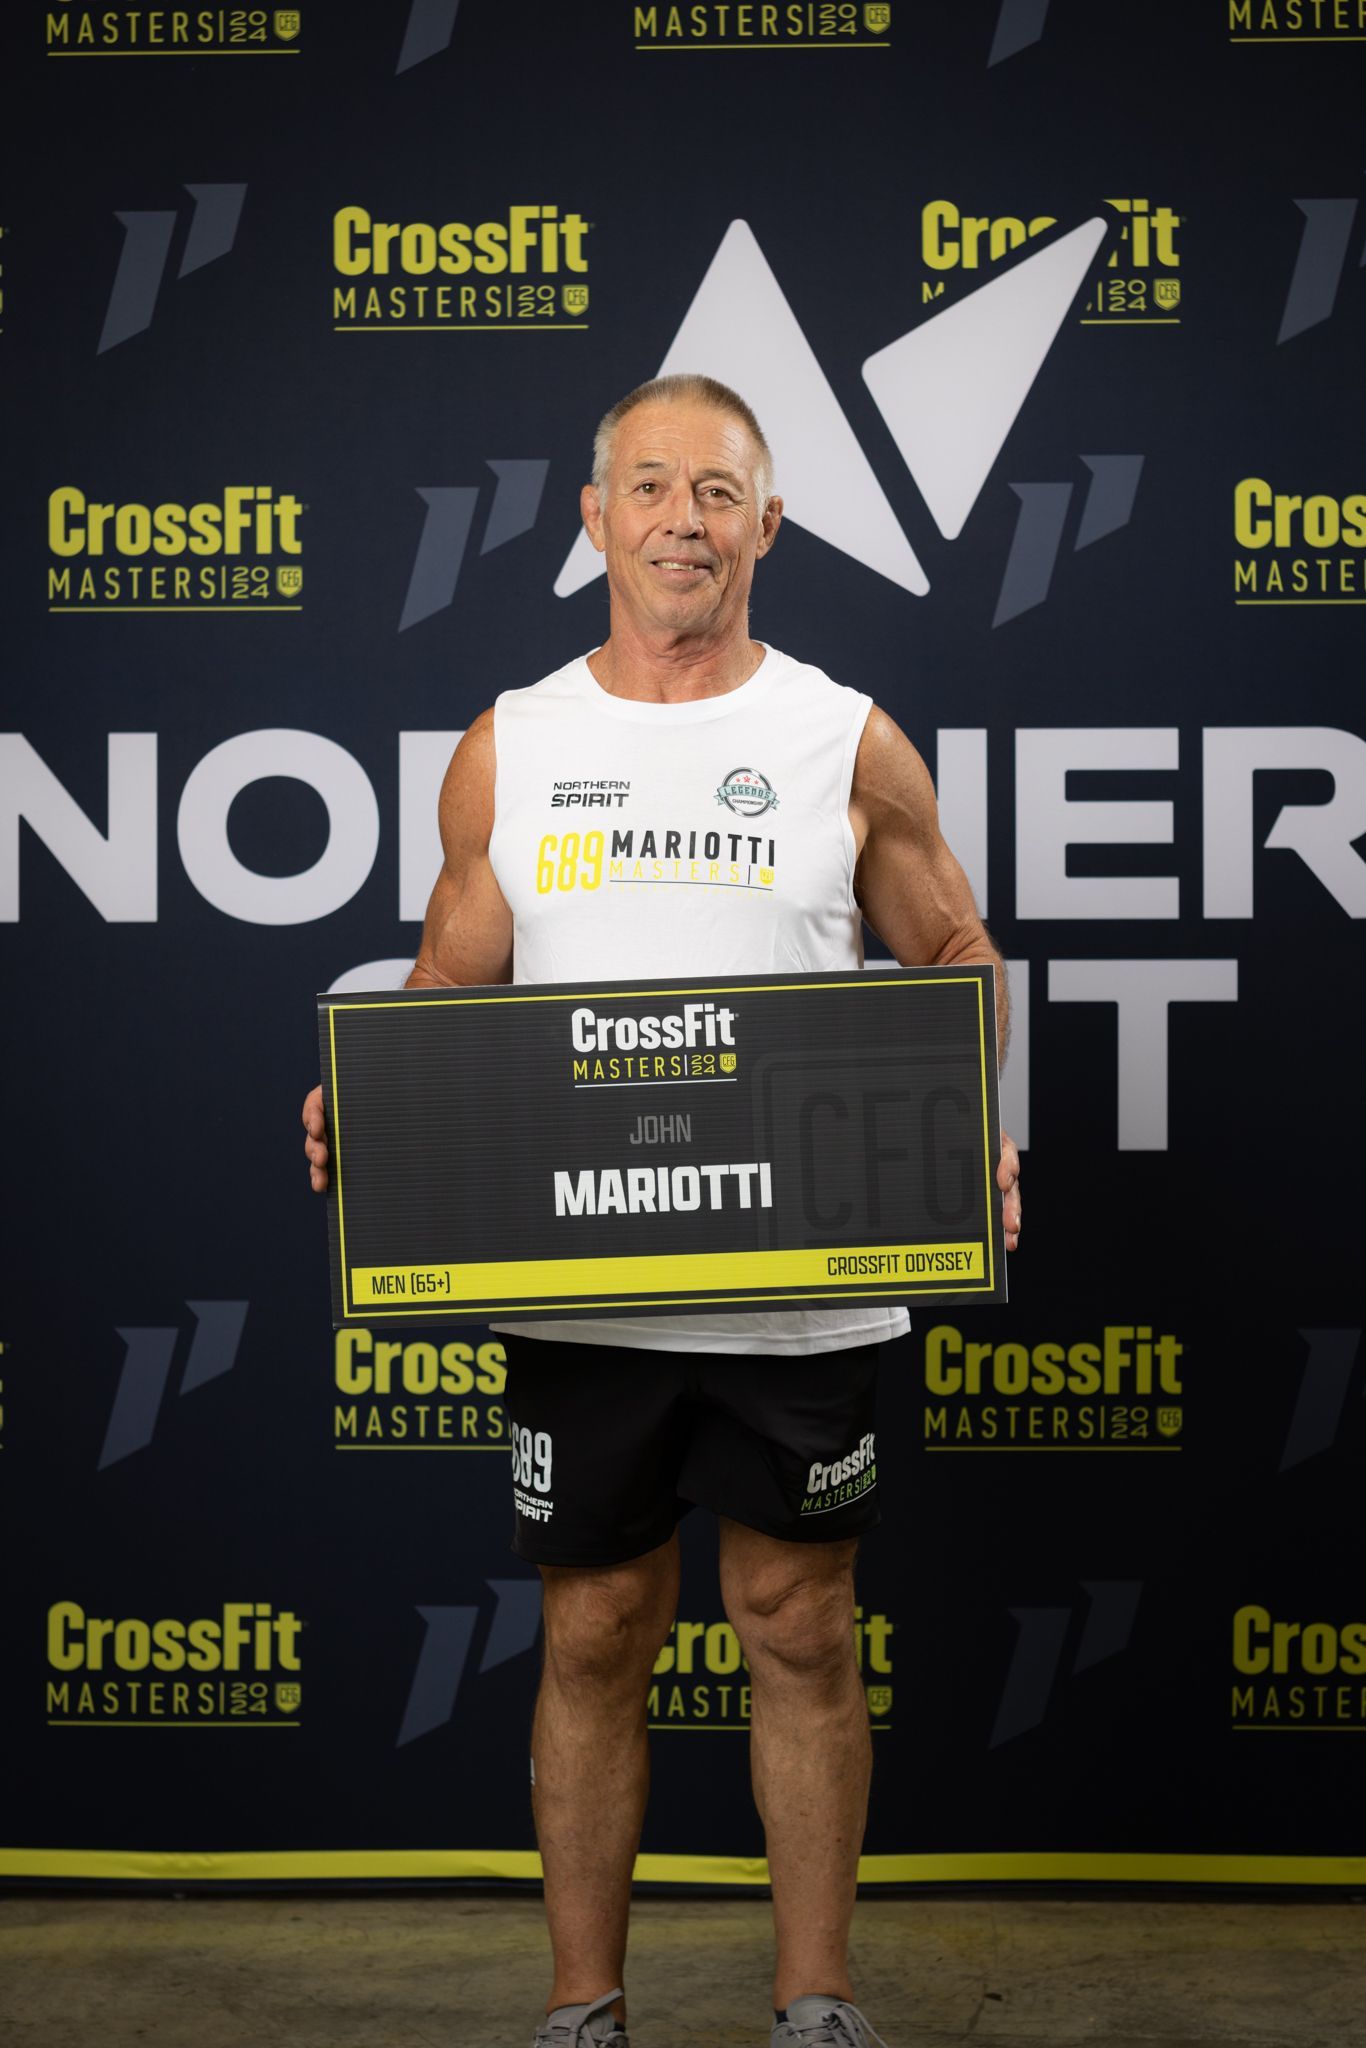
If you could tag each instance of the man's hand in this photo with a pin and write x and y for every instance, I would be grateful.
(1007, 1180)
(315, 1142)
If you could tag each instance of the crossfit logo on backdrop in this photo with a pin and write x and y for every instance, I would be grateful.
(147, 1364)
(536, 254)
(1120, 1390)
(446, 531)
(1138, 281)
(138, 31)
(1297, 547)
(236, 551)
(1300, 1672)
(950, 391)
(449, 1636)
(397, 1394)
(795, 24)
(237, 1666)
(147, 240)
(701, 1676)
(1101, 1630)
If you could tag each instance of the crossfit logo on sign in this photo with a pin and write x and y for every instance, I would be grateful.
(1137, 282)
(1297, 1673)
(1296, 547)
(796, 24)
(236, 551)
(505, 273)
(236, 1667)
(701, 1676)
(138, 31)
(1117, 1391)
(399, 1396)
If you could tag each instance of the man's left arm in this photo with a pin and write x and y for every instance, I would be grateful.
(915, 895)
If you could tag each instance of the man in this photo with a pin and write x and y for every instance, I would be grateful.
(646, 1415)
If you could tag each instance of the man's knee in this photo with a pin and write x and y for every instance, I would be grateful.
(606, 1623)
(794, 1615)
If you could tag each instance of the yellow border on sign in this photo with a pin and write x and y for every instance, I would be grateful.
(473, 1281)
(363, 1866)
(696, 1299)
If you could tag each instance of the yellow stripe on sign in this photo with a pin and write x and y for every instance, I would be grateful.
(550, 1279)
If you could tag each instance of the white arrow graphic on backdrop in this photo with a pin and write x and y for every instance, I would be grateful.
(950, 391)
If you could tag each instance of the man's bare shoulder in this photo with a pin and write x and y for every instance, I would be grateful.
(466, 801)
(890, 777)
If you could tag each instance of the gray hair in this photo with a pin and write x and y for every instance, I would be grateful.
(685, 388)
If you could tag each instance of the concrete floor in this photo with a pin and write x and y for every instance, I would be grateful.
(448, 1971)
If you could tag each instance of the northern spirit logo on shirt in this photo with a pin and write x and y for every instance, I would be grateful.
(600, 792)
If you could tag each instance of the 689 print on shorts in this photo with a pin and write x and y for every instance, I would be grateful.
(532, 1467)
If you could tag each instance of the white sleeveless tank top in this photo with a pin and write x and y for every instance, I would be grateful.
(726, 847)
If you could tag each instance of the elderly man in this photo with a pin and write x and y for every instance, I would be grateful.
(647, 1415)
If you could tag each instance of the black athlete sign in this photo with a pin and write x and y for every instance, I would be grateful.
(756, 1142)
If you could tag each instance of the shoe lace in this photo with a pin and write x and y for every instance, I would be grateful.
(834, 2029)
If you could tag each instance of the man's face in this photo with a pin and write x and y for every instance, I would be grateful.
(679, 519)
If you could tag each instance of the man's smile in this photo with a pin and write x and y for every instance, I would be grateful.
(679, 568)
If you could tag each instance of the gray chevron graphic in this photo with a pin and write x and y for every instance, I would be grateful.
(1039, 1644)
(1042, 519)
(1319, 264)
(147, 247)
(446, 1649)
(516, 501)
(146, 1369)
(440, 551)
(1019, 23)
(213, 224)
(431, 24)
(1322, 1396)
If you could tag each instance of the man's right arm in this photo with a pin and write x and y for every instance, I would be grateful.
(467, 935)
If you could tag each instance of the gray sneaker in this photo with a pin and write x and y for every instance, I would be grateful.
(817, 2023)
(584, 2026)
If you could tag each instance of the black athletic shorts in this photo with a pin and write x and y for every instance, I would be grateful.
(612, 1445)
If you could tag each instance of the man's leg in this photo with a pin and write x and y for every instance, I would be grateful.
(792, 1606)
(604, 1628)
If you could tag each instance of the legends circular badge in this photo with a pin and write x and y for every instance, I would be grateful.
(748, 793)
